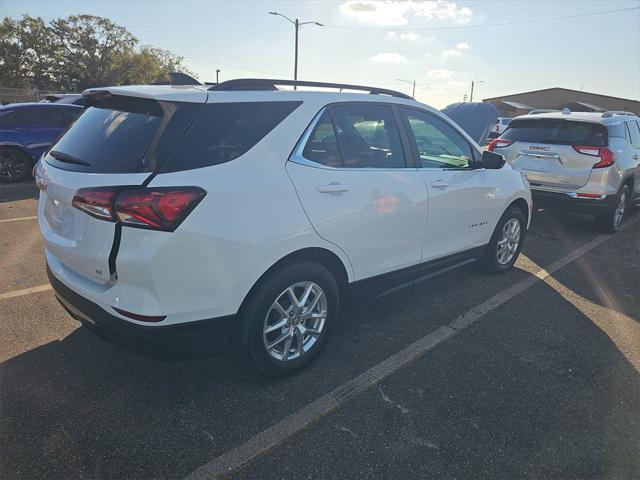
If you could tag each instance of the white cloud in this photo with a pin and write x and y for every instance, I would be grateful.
(388, 57)
(404, 36)
(463, 46)
(440, 73)
(390, 13)
(451, 53)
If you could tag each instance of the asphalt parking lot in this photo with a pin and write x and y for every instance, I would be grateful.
(545, 383)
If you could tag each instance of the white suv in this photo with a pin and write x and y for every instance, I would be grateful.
(253, 213)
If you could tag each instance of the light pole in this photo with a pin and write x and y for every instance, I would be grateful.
(296, 23)
(473, 82)
(218, 73)
(413, 92)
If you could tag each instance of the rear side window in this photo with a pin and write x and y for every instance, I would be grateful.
(635, 134)
(557, 132)
(225, 131)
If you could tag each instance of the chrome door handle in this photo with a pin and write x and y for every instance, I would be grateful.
(440, 185)
(333, 188)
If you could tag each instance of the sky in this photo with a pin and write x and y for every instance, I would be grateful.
(504, 46)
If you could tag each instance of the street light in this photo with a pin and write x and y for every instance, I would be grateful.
(296, 23)
(472, 84)
(410, 82)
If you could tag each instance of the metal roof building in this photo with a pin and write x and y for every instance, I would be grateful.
(558, 98)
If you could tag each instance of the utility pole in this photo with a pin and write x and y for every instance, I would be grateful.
(473, 82)
(218, 73)
(297, 24)
(410, 82)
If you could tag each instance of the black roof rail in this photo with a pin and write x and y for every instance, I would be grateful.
(270, 84)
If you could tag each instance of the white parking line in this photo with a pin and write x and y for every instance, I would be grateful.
(6, 220)
(234, 459)
(25, 291)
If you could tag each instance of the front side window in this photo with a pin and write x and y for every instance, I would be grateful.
(439, 145)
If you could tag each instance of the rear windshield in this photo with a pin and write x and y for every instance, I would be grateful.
(224, 131)
(112, 136)
(557, 132)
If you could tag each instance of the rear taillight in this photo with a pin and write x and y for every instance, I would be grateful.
(498, 143)
(97, 202)
(606, 156)
(162, 208)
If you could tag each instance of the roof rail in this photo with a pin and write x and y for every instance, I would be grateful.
(270, 84)
(611, 113)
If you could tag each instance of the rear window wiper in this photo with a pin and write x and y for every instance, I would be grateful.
(66, 158)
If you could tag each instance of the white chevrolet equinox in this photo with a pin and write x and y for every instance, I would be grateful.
(245, 212)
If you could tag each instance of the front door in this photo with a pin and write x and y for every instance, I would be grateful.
(462, 199)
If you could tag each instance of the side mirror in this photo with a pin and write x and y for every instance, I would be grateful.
(492, 160)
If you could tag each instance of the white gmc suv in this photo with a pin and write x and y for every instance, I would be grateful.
(246, 212)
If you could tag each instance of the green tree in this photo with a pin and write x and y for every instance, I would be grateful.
(78, 52)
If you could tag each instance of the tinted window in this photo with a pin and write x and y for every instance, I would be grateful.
(322, 146)
(635, 134)
(439, 145)
(224, 131)
(111, 141)
(120, 134)
(29, 117)
(368, 136)
(557, 132)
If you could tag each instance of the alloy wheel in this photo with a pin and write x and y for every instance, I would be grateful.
(509, 241)
(295, 321)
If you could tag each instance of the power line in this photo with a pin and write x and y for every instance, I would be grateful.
(486, 25)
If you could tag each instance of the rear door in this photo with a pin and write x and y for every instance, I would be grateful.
(352, 178)
(117, 142)
(546, 150)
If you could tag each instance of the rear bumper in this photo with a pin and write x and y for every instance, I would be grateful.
(215, 332)
(588, 206)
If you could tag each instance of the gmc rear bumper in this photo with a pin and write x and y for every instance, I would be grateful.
(158, 341)
(587, 206)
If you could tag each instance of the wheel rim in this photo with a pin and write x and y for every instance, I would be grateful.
(11, 166)
(509, 241)
(619, 213)
(295, 321)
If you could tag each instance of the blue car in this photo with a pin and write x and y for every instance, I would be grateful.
(26, 131)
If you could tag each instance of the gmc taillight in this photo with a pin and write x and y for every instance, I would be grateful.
(498, 143)
(607, 157)
(160, 208)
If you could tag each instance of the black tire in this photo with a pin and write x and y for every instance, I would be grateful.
(490, 262)
(14, 165)
(258, 306)
(610, 221)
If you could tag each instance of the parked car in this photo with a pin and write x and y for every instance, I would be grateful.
(64, 98)
(501, 125)
(255, 214)
(26, 131)
(585, 161)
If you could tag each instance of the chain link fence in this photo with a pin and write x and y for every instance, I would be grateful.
(18, 95)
